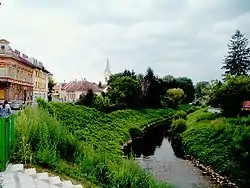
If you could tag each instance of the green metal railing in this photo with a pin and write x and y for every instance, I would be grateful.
(7, 140)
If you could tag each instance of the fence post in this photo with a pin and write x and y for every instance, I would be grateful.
(7, 139)
(2, 144)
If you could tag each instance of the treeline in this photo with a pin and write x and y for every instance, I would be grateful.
(130, 90)
(230, 92)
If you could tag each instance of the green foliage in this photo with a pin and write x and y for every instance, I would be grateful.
(89, 140)
(180, 114)
(220, 142)
(231, 94)
(154, 89)
(213, 98)
(186, 84)
(51, 85)
(102, 103)
(87, 99)
(187, 108)
(178, 126)
(202, 90)
(41, 139)
(175, 96)
(237, 62)
(124, 90)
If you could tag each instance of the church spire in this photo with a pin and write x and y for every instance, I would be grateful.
(107, 66)
(107, 71)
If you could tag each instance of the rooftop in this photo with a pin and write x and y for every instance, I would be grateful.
(30, 61)
(80, 85)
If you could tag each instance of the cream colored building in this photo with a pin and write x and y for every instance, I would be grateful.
(40, 81)
(21, 77)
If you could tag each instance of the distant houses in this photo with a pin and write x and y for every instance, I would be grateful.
(71, 91)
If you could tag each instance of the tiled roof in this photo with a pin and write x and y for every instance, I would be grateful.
(80, 86)
(246, 104)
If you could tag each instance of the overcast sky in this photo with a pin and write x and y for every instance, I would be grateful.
(73, 38)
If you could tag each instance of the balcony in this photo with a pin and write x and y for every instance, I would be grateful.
(13, 77)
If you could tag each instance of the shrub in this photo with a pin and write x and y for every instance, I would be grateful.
(181, 115)
(178, 126)
(175, 96)
(221, 143)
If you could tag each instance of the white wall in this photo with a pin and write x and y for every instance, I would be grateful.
(39, 94)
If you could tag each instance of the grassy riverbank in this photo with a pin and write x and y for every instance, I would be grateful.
(223, 143)
(84, 143)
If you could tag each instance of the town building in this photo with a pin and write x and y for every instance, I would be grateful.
(40, 82)
(21, 77)
(56, 95)
(72, 91)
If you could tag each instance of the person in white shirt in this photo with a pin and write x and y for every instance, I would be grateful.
(5, 109)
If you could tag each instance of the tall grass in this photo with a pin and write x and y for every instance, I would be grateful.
(82, 153)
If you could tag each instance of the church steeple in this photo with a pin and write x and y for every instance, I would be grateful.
(107, 72)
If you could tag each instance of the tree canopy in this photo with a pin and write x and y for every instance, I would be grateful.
(237, 62)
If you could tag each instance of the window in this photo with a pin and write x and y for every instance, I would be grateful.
(2, 71)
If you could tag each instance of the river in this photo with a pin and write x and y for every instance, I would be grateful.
(154, 152)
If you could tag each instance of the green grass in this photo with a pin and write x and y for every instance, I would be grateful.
(84, 143)
(222, 143)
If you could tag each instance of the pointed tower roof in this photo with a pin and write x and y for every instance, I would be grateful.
(107, 70)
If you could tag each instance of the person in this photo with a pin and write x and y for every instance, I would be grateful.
(5, 109)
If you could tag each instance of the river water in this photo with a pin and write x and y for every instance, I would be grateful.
(154, 152)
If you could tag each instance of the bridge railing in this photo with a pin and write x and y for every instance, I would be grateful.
(7, 140)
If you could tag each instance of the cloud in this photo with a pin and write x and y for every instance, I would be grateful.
(73, 38)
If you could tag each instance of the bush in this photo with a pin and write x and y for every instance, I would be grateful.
(178, 126)
(181, 115)
(174, 96)
(187, 108)
(231, 94)
(221, 143)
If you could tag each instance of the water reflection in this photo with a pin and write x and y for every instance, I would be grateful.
(157, 153)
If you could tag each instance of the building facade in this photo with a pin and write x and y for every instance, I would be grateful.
(17, 75)
(71, 92)
(40, 82)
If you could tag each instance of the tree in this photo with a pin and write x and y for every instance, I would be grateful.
(169, 82)
(201, 89)
(231, 94)
(186, 84)
(237, 62)
(87, 99)
(51, 85)
(213, 93)
(174, 96)
(124, 90)
(154, 91)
